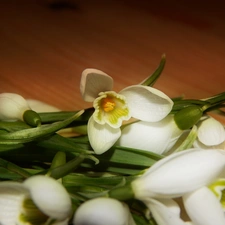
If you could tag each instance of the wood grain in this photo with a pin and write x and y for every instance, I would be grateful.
(44, 47)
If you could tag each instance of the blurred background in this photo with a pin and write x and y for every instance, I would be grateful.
(46, 44)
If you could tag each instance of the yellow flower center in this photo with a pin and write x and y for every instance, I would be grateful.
(108, 104)
(111, 108)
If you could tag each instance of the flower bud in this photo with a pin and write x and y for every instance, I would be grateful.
(103, 211)
(15, 107)
(12, 106)
(188, 117)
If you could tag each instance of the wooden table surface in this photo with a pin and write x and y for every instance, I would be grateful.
(46, 44)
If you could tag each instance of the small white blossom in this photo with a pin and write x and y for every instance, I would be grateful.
(180, 173)
(211, 134)
(51, 201)
(12, 106)
(102, 211)
(203, 207)
(111, 108)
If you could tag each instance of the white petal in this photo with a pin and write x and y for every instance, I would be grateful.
(203, 207)
(12, 195)
(147, 103)
(211, 132)
(102, 137)
(93, 82)
(165, 214)
(12, 106)
(180, 173)
(156, 137)
(39, 106)
(102, 211)
(49, 196)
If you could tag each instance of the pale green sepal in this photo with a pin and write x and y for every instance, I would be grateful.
(31, 134)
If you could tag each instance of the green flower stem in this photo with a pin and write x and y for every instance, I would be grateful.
(122, 193)
(63, 115)
(150, 81)
(14, 168)
(28, 135)
(215, 101)
(67, 168)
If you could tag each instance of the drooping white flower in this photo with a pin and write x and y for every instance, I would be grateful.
(203, 207)
(102, 211)
(12, 106)
(45, 197)
(158, 137)
(211, 134)
(111, 108)
(180, 173)
(165, 212)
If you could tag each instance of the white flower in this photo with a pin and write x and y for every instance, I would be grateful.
(111, 108)
(203, 207)
(165, 212)
(179, 173)
(158, 137)
(102, 211)
(12, 106)
(211, 134)
(45, 197)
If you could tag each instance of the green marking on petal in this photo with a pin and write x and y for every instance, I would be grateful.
(218, 188)
(111, 108)
(31, 214)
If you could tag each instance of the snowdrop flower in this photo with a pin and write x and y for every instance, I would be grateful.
(158, 137)
(203, 207)
(102, 211)
(111, 108)
(12, 106)
(211, 134)
(165, 212)
(38, 199)
(179, 173)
